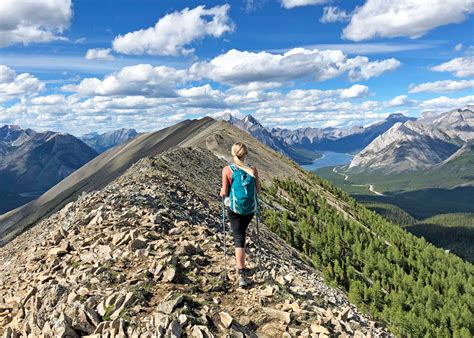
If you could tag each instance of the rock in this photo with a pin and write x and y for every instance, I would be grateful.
(155, 219)
(62, 327)
(226, 319)
(200, 331)
(174, 330)
(175, 231)
(278, 314)
(315, 328)
(272, 329)
(169, 274)
(168, 306)
(138, 243)
(267, 292)
(121, 305)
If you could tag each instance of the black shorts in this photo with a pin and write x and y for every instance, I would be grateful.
(239, 224)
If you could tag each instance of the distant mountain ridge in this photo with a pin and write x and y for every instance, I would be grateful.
(32, 162)
(345, 140)
(419, 144)
(105, 141)
(251, 125)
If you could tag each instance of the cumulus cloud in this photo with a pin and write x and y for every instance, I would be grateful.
(334, 14)
(242, 67)
(101, 54)
(174, 32)
(142, 79)
(458, 47)
(461, 67)
(387, 18)
(36, 21)
(13, 85)
(297, 3)
(446, 86)
(444, 103)
(401, 100)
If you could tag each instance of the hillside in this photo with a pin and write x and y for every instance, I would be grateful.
(144, 256)
(95, 175)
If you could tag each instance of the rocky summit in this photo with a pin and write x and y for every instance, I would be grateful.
(143, 257)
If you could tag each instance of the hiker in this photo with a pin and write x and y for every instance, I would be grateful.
(240, 185)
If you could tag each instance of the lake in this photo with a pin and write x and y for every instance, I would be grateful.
(329, 159)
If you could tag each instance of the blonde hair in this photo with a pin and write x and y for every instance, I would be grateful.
(239, 150)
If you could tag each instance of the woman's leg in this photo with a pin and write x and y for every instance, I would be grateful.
(240, 257)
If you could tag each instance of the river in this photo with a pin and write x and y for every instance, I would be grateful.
(329, 159)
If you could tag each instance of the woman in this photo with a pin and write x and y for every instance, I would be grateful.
(240, 185)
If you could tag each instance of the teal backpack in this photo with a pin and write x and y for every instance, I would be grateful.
(243, 192)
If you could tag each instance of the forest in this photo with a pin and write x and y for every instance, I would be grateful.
(413, 287)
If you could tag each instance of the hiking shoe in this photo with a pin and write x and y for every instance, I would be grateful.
(242, 278)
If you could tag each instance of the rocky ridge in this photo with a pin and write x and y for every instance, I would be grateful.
(144, 257)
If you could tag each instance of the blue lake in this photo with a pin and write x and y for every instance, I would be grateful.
(329, 159)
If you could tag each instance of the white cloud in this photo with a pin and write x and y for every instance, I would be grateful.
(17, 86)
(446, 86)
(142, 79)
(334, 14)
(461, 67)
(54, 99)
(458, 47)
(297, 3)
(397, 101)
(388, 18)
(313, 95)
(101, 54)
(445, 103)
(361, 68)
(242, 67)
(355, 91)
(33, 21)
(174, 32)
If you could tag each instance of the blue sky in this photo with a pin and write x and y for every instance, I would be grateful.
(81, 66)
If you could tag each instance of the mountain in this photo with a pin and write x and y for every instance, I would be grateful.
(144, 257)
(32, 162)
(349, 139)
(251, 125)
(131, 243)
(416, 145)
(342, 140)
(105, 141)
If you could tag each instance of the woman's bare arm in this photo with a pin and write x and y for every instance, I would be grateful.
(225, 184)
(255, 172)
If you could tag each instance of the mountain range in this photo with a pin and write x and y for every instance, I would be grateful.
(251, 125)
(31, 162)
(105, 141)
(415, 145)
(341, 140)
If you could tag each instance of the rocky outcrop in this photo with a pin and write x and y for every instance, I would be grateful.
(144, 257)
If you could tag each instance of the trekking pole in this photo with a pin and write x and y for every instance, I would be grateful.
(225, 246)
(258, 240)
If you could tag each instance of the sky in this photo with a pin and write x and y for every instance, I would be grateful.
(79, 66)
